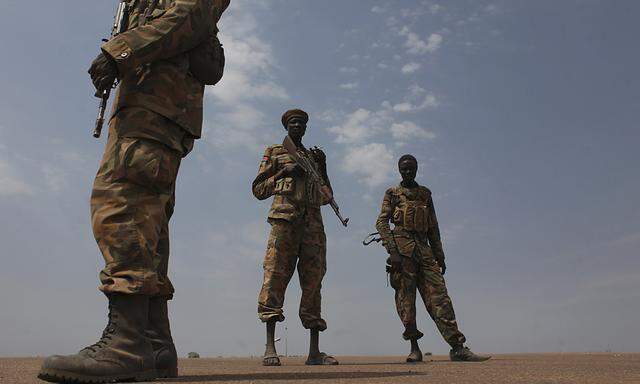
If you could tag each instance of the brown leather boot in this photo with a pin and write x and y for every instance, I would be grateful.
(123, 353)
(159, 334)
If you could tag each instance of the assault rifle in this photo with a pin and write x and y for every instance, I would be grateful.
(120, 23)
(311, 172)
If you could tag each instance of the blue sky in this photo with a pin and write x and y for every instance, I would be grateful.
(522, 114)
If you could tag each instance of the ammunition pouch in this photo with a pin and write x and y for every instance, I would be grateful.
(206, 61)
(413, 216)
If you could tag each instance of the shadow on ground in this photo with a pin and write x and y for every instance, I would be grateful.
(291, 376)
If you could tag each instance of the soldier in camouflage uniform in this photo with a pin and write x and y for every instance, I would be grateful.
(297, 236)
(417, 261)
(157, 115)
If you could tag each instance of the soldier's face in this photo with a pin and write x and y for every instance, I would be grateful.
(408, 170)
(296, 127)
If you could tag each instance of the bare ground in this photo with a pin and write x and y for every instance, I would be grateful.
(583, 368)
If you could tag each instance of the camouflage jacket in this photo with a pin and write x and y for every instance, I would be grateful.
(293, 194)
(412, 212)
(153, 59)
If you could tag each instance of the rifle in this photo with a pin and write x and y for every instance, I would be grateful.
(311, 171)
(120, 23)
(375, 237)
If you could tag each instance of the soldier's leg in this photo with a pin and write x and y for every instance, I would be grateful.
(279, 265)
(133, 184)
(403, 282)
(434, 293)
(159, 330)
(433, 290)
(129, 211)
(312, 266)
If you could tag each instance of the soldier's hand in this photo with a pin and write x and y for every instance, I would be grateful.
(292, 169)
(318, 155)
(326, 191)
(103, 72)
(443, 267)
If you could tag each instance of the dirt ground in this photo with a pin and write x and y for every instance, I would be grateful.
(547, 368)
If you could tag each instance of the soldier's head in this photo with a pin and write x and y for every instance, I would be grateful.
(408, 167)
(295, 122)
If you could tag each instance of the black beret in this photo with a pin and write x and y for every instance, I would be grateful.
(294, 113)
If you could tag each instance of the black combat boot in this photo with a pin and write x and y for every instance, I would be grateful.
(123, 353)
(462, 353)
(159, 333)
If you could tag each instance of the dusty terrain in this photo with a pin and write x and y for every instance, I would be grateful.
(521, 368)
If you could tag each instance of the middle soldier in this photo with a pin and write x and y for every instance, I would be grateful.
(297, 235)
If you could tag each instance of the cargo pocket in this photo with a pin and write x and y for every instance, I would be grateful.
(395, 279)
(148, 164)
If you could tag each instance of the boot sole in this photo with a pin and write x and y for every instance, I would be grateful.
(59, 376)
(170, 373)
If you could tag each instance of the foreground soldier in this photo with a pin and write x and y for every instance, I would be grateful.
(417, 261)
(297, 236)
(156, 118)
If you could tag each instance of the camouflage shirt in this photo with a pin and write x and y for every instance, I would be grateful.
(412, 212)
(153, 59)
(293, 194)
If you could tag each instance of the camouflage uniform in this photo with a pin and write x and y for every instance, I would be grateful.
(157, 115)
(416, 237)
(297, 236)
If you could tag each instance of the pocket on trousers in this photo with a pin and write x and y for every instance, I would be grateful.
(395, 279)
(147, 163)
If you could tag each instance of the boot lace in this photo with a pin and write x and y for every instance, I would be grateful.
(108, 332)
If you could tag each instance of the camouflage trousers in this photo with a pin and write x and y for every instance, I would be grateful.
(302, 242)
(132, 201)
(422, 273)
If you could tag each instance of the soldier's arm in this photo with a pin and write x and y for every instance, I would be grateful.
(433, 233)
(382, 224)
(264, 184)
(179, 29)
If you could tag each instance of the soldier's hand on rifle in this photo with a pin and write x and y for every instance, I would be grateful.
(326, 191)
(318, 155)
(103, 72)
(291, 169)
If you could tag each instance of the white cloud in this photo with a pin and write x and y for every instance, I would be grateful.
(361, 125)
(435, 8)
(10, 184)
(237, 127)
(349, 86)
(351, 70)
(417, 46)
(429, 101)
(371, 163)
(408, 130)
(410, 67)
(249, 79)
(378, 9)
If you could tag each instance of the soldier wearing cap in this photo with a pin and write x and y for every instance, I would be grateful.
(297, 236)
(417, 261)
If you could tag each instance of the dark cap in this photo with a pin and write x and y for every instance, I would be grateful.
(294, 113)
